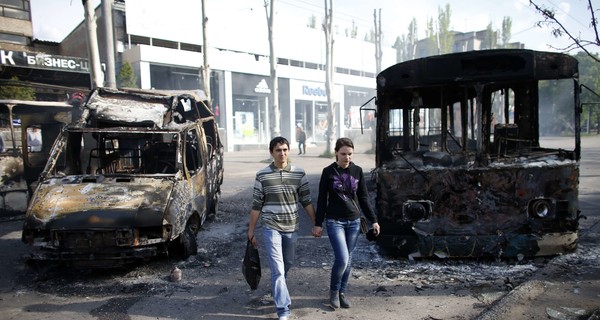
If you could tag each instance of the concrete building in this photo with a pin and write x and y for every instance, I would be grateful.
(39, 63)
(164, 46)
(164, 59)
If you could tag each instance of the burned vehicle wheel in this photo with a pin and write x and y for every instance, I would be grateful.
(186, 244)
(214, 207)
(189, 245)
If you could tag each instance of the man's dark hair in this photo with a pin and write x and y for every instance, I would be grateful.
(278, 140)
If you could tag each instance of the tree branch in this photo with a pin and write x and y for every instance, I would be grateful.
(550, 19)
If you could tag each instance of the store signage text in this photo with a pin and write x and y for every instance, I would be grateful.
(43, 61)
(313, 91)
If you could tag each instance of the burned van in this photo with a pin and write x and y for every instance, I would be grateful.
(478, 154)
(135, 177)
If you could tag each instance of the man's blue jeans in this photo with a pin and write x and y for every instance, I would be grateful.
(343, 235)
(281, 250)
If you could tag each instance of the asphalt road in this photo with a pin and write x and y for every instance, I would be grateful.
(381, 288)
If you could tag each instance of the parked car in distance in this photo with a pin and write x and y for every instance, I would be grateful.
(135, 177)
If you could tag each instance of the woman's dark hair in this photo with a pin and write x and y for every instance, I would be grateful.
(278, 140)
(343, 142)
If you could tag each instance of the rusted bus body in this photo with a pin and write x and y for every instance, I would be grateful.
(460, 170)
(135, 177)
(20, 165)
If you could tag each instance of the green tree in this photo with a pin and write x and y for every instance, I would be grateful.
(312, 22)
(127, 78)
(17, 92)
(411, 40)
(506, 31)
(400, 46)
(431, 40)
(489, 38)
(352, 32)
(559, 30)
(446, 38)
(589, 76)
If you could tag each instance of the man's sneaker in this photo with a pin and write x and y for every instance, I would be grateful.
(344, 302)
(284, 318)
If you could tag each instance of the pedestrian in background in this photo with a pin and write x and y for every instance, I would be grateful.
(342, 196)
(301, 138)
(34, 139)
(278, 189)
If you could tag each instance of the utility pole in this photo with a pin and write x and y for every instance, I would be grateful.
(94, 57)
(205, 68)
(274, 95)
(111, 79)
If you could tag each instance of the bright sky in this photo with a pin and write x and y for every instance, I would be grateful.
(53, 20)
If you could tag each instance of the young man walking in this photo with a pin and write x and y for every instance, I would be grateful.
(278, 189)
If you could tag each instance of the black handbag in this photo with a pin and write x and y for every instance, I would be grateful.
(251, 266)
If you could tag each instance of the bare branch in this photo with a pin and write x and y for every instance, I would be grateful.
(551, 20)
(594, 22)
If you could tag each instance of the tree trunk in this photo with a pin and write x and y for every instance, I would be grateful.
(111, 78)
(331, 110)
(94, 55)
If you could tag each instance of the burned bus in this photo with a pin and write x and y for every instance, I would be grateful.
(478, 153)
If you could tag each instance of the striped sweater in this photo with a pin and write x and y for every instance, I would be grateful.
(277, 193)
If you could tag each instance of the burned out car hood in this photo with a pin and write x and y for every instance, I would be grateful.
(105, 202)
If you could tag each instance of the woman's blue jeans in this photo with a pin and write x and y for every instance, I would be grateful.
(281, 250)
(343, 235)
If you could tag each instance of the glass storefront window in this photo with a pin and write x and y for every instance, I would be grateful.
(304, 118)
(321, 123)
(247, 119)
(174, 78)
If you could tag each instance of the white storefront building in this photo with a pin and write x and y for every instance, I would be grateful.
(164, 45)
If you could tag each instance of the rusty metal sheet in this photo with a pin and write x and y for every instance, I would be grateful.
(480, 211)
(60, 199)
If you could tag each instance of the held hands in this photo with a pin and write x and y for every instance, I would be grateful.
(317, 232)
(376, 229)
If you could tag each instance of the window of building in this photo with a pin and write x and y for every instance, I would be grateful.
(174, 78)
(139, 40)
(17, 9)
(165, 43)
(310, 65)
(11, 38)
(296, 63)
(190, 47)
(342, 70)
